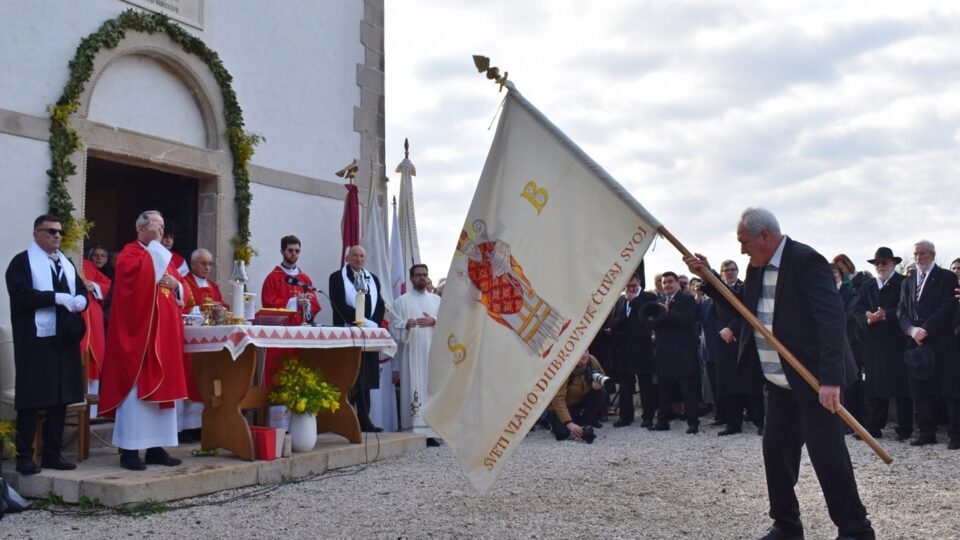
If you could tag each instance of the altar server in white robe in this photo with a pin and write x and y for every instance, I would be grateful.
(415, 315)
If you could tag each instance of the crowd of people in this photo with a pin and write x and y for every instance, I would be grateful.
(676, 348)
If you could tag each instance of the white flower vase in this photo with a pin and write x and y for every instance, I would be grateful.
(303, 431)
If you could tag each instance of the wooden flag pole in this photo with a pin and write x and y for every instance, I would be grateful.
(775, 343)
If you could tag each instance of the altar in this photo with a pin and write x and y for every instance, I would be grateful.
(225, 363)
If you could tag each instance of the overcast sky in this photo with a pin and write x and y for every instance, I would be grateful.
(843, 118)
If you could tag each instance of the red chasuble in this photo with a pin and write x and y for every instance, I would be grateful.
(145, 336)
(201, 294)
(94, 340)
(276, 293)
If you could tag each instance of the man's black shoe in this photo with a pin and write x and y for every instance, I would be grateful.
(57, 463)
(924, 440)
(660, 427)
(953, 445)
(159, 456)
(130, 459)
(26, 466)
(780, 532)
(646, 424)
(693, 430)
(730, 431)
(588, 435)
(433, 442)
(869, 535)
(623, 423)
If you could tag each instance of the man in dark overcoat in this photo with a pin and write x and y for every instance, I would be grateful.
(46, 296)
(739, 386)
(676, 360)
(790, 289)
(926, 313)
(632, 354)
(343, 299)
(885, 373)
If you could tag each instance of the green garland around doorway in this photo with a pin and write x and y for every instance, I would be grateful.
(64, 140)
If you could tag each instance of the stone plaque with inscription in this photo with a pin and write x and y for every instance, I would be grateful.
(186, 11)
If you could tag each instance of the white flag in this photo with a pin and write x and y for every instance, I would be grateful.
(549, 243)
(409, 244)
(375, 243)
(398, 276)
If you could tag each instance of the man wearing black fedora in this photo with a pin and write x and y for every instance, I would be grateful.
(883, 346)
(926, 314)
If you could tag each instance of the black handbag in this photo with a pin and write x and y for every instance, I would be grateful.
(921, 363)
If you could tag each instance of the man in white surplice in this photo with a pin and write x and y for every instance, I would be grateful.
(412, 321)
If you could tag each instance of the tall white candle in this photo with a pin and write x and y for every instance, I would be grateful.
(361, 309)
(236, 304)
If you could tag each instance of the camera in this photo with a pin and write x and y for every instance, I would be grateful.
(603, 380)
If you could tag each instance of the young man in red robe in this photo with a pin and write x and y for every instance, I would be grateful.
(94, 340)
(177, 261)
(278, 293)
(143, 374)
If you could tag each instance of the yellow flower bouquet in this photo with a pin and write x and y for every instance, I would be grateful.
(303, 390)
(7, 440)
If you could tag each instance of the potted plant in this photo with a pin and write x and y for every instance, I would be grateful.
(8, 443)
(305, 393)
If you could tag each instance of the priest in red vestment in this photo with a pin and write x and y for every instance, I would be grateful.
(142, 373)
(177, 261)
(278, 293)
(201, 289)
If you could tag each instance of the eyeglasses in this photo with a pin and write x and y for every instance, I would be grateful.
(52, 232)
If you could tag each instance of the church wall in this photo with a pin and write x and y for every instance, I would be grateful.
(22, 170)
(313, 219)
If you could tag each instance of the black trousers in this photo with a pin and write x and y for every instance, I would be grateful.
(648, 397)
(689, 386)
(791, 423)
(735, 404)
(878, 409)
(585, 412)
(52, 431)
(927, 416)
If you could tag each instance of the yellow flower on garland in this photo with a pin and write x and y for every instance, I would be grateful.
(303, 390)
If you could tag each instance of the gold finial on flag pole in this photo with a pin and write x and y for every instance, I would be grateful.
(493, 73)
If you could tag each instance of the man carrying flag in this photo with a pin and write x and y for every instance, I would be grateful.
(511, 327)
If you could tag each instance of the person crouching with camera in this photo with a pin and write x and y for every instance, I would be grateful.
(577, 407)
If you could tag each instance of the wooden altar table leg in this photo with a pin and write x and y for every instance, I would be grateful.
(340, 368)
(223, 424)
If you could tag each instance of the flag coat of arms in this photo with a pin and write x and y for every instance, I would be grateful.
(548, 245)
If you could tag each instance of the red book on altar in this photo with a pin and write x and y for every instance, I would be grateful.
(277, 317)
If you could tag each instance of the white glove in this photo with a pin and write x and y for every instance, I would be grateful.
(63, 299)
(78, 304)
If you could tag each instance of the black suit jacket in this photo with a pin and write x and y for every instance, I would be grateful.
(809, 319)
(676, 339)
(630, 338)
(338, 300)
(934, 312)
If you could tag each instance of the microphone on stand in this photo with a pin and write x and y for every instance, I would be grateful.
(294, 281)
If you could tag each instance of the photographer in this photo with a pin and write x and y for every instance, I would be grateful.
(577, 407)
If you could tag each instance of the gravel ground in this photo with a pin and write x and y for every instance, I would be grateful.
(631, 483)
